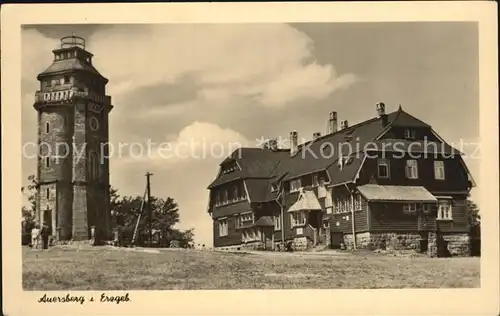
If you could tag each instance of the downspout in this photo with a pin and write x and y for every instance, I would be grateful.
(282, 215)
(352, 218)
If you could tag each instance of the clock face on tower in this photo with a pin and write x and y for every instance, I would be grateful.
(93, 123)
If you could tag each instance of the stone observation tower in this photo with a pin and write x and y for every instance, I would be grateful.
(73, 166)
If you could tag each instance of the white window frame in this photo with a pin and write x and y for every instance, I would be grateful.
(444, 210)
(315, 180)
(300, 221)
(358, 202)
(411, 169)
(383, 162)
(277, 221)
(410, 208)
(247, 217)
(439, 170)
(297, 186)
(223, 227)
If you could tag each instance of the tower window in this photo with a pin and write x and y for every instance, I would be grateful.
(47, 193)
(47, 127)
(47, 162)
(93, 166)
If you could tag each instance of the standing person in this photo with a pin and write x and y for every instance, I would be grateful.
(35, 236)
(45, 236)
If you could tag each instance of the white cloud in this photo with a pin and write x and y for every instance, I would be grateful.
(273, 61)
(233, 66)
(195, 142)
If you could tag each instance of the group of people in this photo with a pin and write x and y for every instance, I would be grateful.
(40, 236)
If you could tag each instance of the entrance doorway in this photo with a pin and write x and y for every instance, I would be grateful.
(47, 219)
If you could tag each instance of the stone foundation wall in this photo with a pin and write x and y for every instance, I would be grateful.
(255, 245)
(455, 244)
(362, 240)
(300, 244)
(458, 244)
(396, 241)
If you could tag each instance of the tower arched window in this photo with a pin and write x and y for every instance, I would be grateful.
(93, 166)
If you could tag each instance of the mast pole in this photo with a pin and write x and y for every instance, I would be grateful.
(150, 211)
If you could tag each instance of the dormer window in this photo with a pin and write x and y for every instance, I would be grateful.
(409, 133)
(383, 168)
(66, 79)
(230, 167)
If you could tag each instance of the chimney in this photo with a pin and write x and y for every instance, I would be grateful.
(381, 113)
(294, 139)
(316, 135)
(271, 144)
(344, 124)
(332, 123)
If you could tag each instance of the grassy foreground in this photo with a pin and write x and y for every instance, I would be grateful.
(104, 268)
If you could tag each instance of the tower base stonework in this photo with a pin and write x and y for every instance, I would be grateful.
(80, 219)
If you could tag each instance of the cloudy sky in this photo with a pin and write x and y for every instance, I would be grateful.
(174, 83)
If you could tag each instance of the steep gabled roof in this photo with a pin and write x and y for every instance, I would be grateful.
(319, 154)
(255, 163)
(262, 167)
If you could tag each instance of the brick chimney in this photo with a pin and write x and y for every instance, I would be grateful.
(344, 124)
(332, 122)
(381, 113)
(294, 142)
(316, 135)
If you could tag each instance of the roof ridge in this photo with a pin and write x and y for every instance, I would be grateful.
(350, 128)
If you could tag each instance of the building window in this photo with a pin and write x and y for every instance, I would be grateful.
(409, 134)
(223, 228)
(217, 198)
(357, 202)
(47, 193)
(295, 185)
(47, 162)
(246, 219)
(249, 235)
(298, 219)
(47, 127)
(66, 79)
(410, 208)
(225, 199)
(444, 210)
(383, 168)
(277, 221)
(426, 209)
(439, 170)
(93, 166)
(411, 169)
(315, 181)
